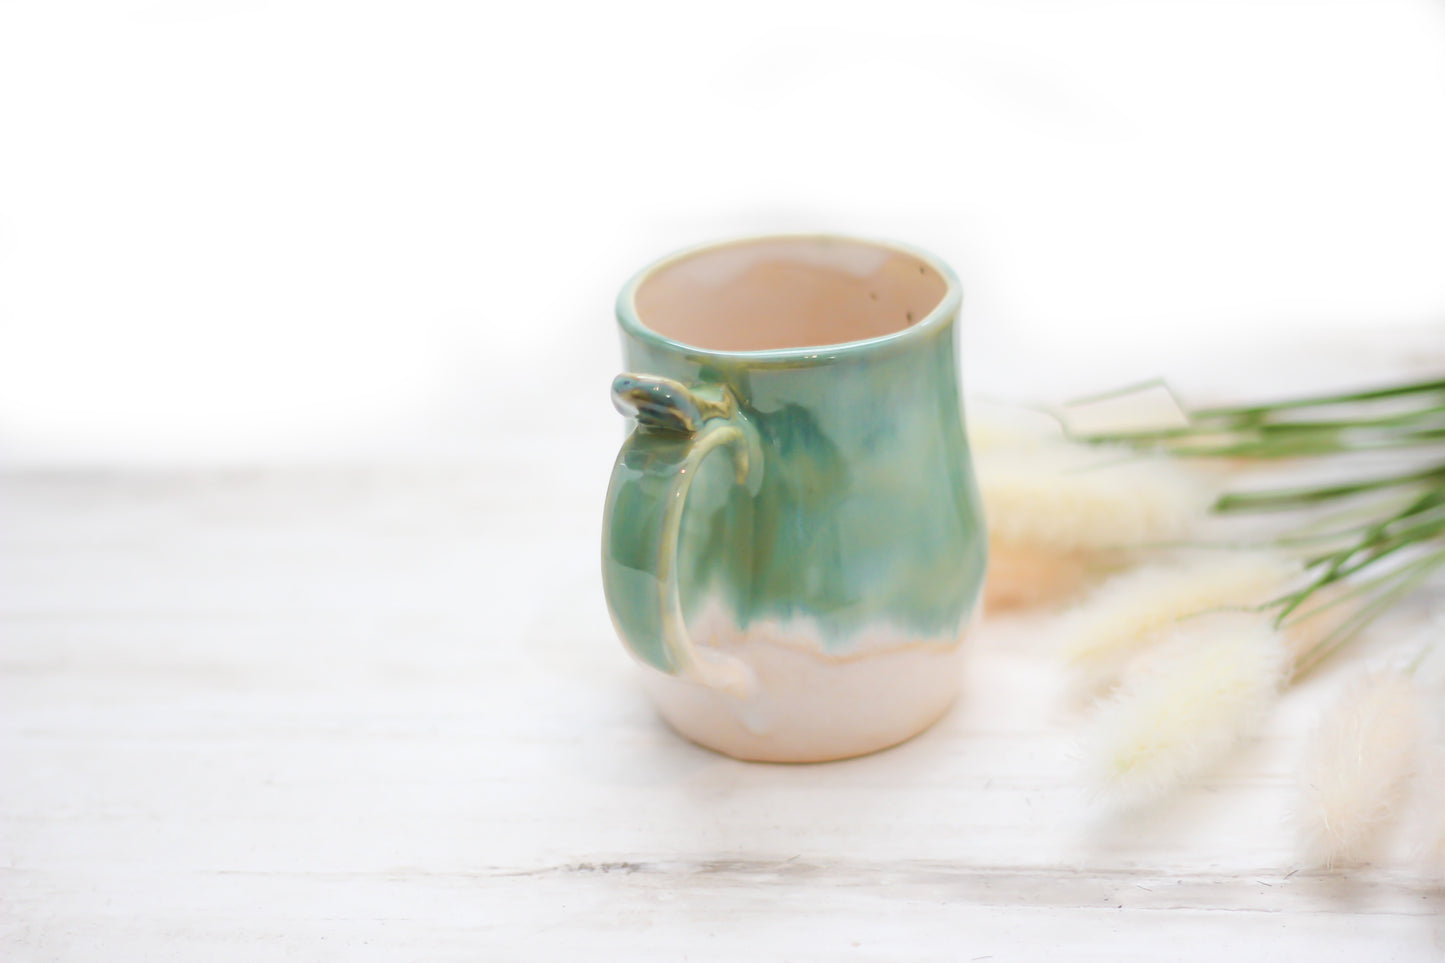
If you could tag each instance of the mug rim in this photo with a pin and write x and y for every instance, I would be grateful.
(942, 314)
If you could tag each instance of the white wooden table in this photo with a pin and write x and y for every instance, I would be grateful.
(347, 714)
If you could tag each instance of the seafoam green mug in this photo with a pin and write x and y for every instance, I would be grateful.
(793, 543)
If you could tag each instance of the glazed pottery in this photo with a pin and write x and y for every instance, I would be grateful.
(792, 543)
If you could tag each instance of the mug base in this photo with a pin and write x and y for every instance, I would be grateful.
(812, 707)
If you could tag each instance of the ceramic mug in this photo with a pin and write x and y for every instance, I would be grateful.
(793, 544)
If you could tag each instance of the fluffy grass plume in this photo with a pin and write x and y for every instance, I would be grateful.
(1357, 770)
(1067, 497)
(1184, 704)
(1062, 515)
(1134, 609)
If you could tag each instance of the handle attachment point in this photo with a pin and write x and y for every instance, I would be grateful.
(669, 405)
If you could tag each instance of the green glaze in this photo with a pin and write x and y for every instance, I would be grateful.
(831, 484)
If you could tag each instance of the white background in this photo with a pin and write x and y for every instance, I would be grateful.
(241, 231)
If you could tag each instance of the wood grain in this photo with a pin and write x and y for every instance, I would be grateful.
(380, 714)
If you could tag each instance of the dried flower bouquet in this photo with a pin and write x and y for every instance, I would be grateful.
(1198, 600)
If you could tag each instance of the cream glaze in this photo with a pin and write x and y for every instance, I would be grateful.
(808, 705)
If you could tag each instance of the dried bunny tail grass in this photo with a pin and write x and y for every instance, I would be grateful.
(1358, 768)
(1067, 497)
(1129, 611)
(1184, 705)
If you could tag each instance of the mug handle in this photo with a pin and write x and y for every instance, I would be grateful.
(677, 427)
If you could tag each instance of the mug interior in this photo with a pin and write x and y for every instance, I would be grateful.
(788, 292)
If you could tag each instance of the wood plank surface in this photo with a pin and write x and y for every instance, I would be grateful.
(380, 714)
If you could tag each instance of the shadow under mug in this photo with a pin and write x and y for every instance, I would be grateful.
(792, 543)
